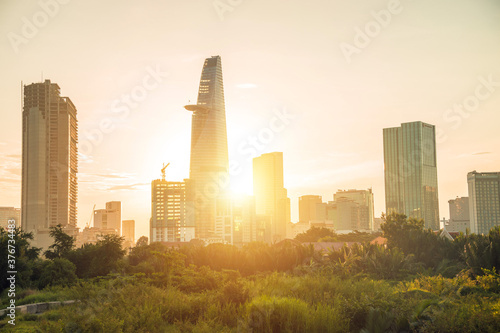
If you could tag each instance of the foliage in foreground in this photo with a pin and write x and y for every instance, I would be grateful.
(420, 282)
(279, 302)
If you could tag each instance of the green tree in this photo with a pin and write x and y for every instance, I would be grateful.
(142, 241)
(314, 234)
(58, 271)
(107, 253)
(21, 252)
(410, 236)
(481, 251)
(98, 259)
(63, 243)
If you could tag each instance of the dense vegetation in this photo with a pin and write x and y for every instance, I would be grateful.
(420, 282)
(316, 234)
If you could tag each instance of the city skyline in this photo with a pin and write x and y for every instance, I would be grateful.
(260, 87)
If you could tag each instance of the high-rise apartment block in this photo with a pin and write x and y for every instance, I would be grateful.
(459, 215)
(209, 165)
(172, 211)
(49, 162)
(484, 201)
(352, 210)
(270, 195)
(410, 168)
(310, 208)
(9, 213)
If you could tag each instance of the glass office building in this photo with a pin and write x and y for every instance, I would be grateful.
(484, 201)
(209, 165)
(410, 170)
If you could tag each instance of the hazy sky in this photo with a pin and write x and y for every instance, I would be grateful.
(311, 60)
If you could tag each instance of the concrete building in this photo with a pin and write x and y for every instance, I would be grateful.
(224, 220)
(345, 214)
(9, 213)
(128, 233)
(308, 208)
(363, 213)
(172, 211)
(484, 201)
(236, 221)
(49, 162)
(263, 228)
(459, 215)
(410, 166)
(209, 165)
(377, 222)
(117, 207)
(109, 218)
(270, 195)
(351, 210)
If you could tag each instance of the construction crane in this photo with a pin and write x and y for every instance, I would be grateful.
(91, 216)
(163, 171)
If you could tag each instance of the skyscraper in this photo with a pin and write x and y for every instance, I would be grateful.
(270, 195)
(209, 169)
(128, 233)
(50, 161)
(484, 201)
(411, 172)
(307, 207)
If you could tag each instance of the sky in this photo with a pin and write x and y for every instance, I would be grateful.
(317, 80)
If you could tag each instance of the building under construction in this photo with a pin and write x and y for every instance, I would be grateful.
(172, 211)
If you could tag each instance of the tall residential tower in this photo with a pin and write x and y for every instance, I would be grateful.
(209, 169)
(410, 168)
(50, 161)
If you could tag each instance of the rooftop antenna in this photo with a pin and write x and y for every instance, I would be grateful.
(42, 76)
(163, 171)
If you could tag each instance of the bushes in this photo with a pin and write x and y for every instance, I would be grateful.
(224, 288)
(280, 302)
(100, 259)
(371, 259)
(125, 305)
(286, 314)
(471, 313)
(57, 272)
